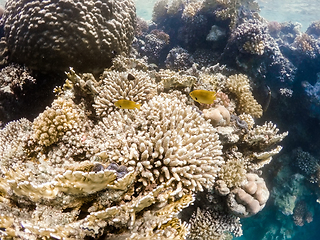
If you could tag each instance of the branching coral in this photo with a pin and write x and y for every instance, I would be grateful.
(171, 140)
(213, 225)
(131, 85)
(15, 81)
(130, 174)
(227, 9)
(239, 85)
(233, 173)
(307, 44)
(251, 37)
(13, 140)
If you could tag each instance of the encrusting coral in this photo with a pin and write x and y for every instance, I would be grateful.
(54, 35)
(83, 168)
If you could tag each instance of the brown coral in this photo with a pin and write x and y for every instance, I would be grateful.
(239, 85)
(54, 35)
(54, 122)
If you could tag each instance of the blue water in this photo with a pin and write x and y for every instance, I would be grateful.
(304, 12)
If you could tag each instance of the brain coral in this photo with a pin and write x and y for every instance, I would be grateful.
(54, 35)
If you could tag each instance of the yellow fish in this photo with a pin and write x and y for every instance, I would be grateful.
(203, 96)
(127, 104)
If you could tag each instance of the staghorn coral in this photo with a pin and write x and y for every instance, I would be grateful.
(131, 85)
(239, 85)
(250, 198)
(53, 35)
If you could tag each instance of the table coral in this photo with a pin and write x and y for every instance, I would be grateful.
(54, 35)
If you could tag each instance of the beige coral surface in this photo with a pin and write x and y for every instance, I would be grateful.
(84, 168)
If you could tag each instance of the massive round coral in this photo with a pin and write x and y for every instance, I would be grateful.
(54, 35)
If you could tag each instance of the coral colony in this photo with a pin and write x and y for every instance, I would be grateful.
(84, 168)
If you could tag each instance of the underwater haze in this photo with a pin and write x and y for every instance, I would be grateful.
(300, 11)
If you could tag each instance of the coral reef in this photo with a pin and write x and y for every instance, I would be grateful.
(93, 174)
(56, 121)
(251, 37)
(232, 10)
(213, 225)
(132, 85)
(250, 198)
(51, 35)
(239, 85)
(15, 81)
(307, 45)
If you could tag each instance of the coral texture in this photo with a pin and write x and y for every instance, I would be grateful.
(132, 85)
(239, 85)
(251, 37)
(213, 225)
(171, 140)
(54, 122)
(250, 198)
(129, 174)
(54, 35)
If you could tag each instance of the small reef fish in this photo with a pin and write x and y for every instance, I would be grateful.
(127, 104)
(203, 96)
